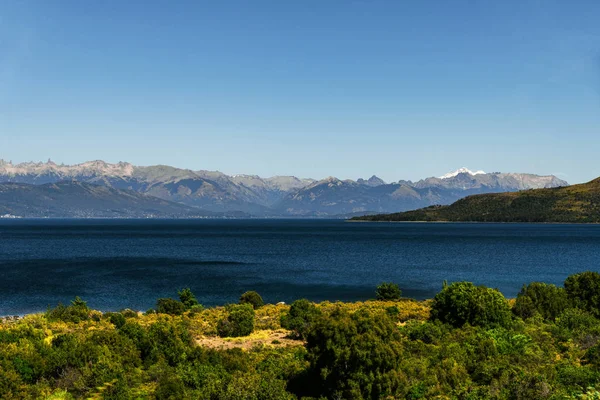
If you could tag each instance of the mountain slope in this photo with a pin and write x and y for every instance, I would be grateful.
(333, 196)
(577, 203)
(83, 200)
(276, 196)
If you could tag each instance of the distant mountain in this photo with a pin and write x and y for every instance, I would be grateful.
(84, 200)
(276, 196)
(208, 190)
(333, 196)
(577, 203)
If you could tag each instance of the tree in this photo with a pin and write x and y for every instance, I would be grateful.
(239, 322)
(187, 298)
(301, 318)
(388, 291)
(354, 356)
(252, 298)
(169, 306)
(540, 298)
(584, 290)
(76, 312)
(462, 302)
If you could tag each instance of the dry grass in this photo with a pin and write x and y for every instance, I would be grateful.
(262, 338)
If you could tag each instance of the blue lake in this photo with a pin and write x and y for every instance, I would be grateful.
(115, 264)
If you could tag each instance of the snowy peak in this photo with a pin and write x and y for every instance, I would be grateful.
(462, 170)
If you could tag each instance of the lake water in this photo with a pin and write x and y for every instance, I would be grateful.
(130, 263)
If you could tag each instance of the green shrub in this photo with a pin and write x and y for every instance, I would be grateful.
(388, 291)
(584, 290)
(129, 313)
(117, 319)
(197, 309)
(252, 298)
(462, 302)
(427, 332)
(187, 298)
(78, 311)
(170, 306)
(239, 322)
(542, 299)
(354, 356)
(300, 318)
(576, 320)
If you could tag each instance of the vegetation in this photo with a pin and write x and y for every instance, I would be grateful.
(466, 343)
(464, 303)
(537, 298)
(252, 298)
(239, 322)
(584, 290)
(388, 291)
(170, 306)
(576, 203)
(300, 319)
(188, 298)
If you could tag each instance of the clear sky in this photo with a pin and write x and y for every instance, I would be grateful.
(401, 89)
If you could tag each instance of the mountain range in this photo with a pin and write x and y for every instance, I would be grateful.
(573, 204)
(215, 192)
(72, 199)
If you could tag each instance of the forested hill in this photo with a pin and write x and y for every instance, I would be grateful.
(576, 203)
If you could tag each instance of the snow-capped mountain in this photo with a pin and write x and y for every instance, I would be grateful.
(462, 170)
(276, 196)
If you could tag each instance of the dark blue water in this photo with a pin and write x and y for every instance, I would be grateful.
(130, 263)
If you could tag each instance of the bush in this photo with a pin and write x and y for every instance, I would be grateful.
(129, 313)
(301, 318)
(117, 319)
(462, 302)
(239, 322)
(197, 309)
(388, 291)
(584, 290)
(78, 311)
(252, 298)
(187, 298)
(542, 299)
(355, 356)
(427, 332)
(170, 306)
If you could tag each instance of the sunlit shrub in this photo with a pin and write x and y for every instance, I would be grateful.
(462, 302)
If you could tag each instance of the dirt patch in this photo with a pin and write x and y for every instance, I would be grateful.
(262, 338)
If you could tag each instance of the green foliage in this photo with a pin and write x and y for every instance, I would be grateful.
(252, 298)
(78, 311)
(427, 332)
(187, 298)
(584, 290)
(301, 318)
(365, 350)
(239, 322)
(542, 299)
(354, 356)
(388, 291)
(462, 302)
(117, 319)
(169, 306)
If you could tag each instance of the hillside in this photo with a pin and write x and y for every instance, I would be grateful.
(577, 203)
(70, 199)
(279, 196)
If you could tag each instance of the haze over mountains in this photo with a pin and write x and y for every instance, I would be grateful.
(214, 192)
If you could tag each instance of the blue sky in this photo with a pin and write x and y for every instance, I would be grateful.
(349, 88)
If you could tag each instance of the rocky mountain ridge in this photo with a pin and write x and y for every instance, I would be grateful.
(277, 196)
